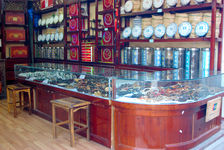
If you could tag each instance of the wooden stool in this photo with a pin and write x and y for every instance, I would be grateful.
(71, 105)
(13, 91)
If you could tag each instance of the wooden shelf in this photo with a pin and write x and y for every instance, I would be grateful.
(105, 11)
(50, 42)
(72, 46)
(15, 42)
(105, 46)
(73, 17)
(169, 40)
(142, 68)
(15, 25)
(183, 9)
(50, 26)
(54, 8)
(77, 31)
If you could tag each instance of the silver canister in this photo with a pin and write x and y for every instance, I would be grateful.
(122, 56)
(135, 56)
(194, 64)
(163, 58)
(129, 49)
(168, 57)
(147, 56)
(61, 53)
(53, 53)
(125, 55)
(157, 57)
(49, 53)
(205, 58)
(178, 58)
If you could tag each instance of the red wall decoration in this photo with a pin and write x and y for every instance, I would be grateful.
(73, 10)
(19, 51)
(73, 24)
(74, 54)
(14, 18)
(75, 39)
(107, 37)
(108, 4)
(107, 55)
(108, 20)
(15, 35)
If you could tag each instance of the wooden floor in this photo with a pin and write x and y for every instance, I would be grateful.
(33, 133)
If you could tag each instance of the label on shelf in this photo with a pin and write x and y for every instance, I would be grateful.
(159, 10)
(151, 40)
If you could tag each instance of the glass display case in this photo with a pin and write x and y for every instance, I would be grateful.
(83, 79)
(153, 87)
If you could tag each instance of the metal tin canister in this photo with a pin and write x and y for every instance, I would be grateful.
(178, 74)
(49, 53)
(157, 75)
(205, 58)
(122, 56)
(194, 63)
(163, 58)
(168, 57)
(169, 75)
(129, 55)
(42, 52)
(157, 57)
(125, 55)
(53, 53)
(61, 53)
(134, 74)
(147, 56)
(178, 57)
(135, 56)
(57, 53)
(187, 63)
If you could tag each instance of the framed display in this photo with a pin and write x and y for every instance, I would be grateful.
(14, 18)
(74, 54)
(107, 55)
(44, 4)
(18, 52)
(108, 20)
(73, 24)
(15, 35)
(73, 10)
(108, 4)
(107, 37)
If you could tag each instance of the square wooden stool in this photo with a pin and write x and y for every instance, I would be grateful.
(71, 105)
(13, 97)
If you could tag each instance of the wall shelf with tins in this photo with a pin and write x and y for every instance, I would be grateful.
(48, 10)
(214, 40)
(15, 35)
(182, 9)
(50, 42)
(49, 26)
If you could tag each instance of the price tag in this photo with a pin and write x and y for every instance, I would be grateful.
(106, 29)
(82, 76)
(45, 81)
(159, 10)
(151, 40)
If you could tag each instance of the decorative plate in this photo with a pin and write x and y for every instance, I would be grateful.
(201, 29)
(184, 2)
(61, 36)
(127, 32)
(158, 3)
(48, 37)
(171, 3)
(39, 22)
(51, 20)
(61, 17)
(43, 37)
(185, 29)
(148, 32)
(128, 6)
(43, 22)
(171, 30)
(55, 19)
(39, 38)
(147, 4)
(52, 36)
(160, 30)
(56, 35)
(136, 31)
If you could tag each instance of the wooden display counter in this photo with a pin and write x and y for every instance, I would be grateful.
(100, 110)
(180, 126)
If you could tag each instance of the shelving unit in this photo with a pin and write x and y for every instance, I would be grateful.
(105, 52)
(213, 7)
(19, 43)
